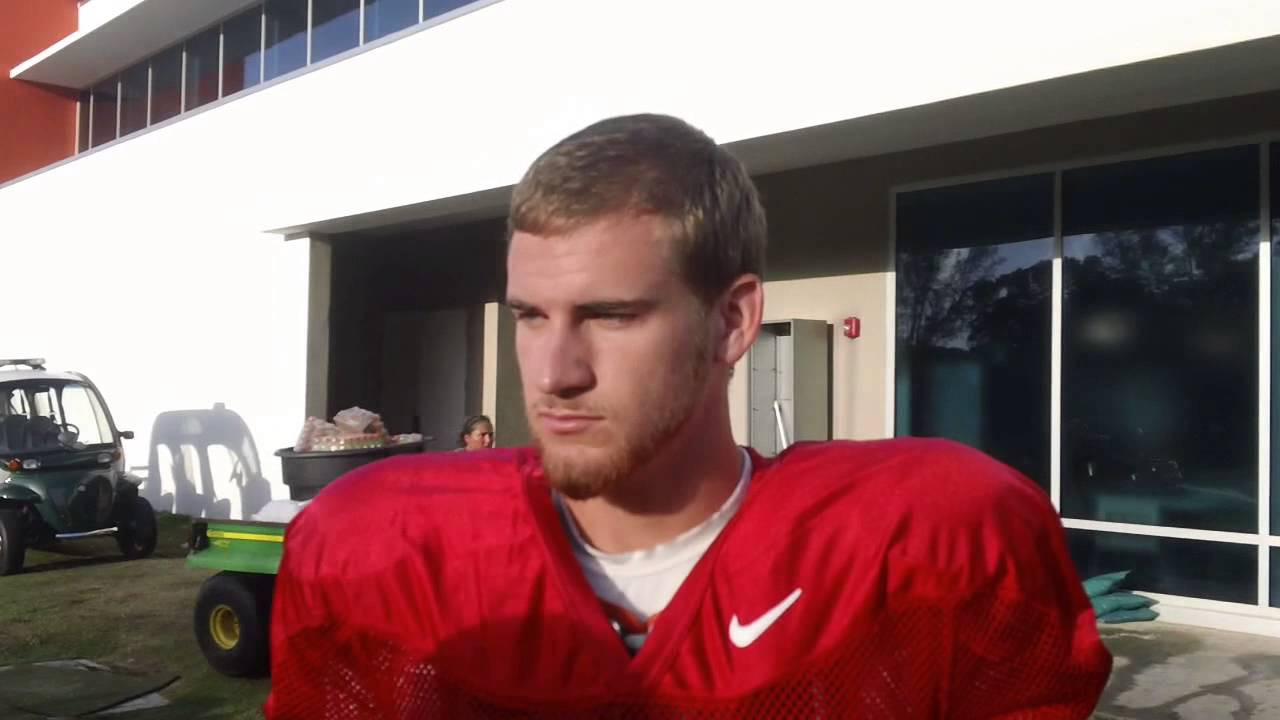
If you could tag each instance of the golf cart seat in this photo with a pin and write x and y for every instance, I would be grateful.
(13, 432)
(42, 432)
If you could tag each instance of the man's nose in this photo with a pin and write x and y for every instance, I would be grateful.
(566, 366)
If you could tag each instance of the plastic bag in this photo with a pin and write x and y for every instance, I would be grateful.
(353, 429)
(313, 431)
(356, 420)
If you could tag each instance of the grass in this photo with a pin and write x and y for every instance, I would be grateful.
(85, 601)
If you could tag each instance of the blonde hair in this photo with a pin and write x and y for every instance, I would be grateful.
(651, 164)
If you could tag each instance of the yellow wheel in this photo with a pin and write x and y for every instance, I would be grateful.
(224, 627)
(232, 614)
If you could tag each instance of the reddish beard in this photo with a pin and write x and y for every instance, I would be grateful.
(582, 469)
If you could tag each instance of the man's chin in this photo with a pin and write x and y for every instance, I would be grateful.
(582, 472)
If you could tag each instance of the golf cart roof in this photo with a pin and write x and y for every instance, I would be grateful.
(34, 371)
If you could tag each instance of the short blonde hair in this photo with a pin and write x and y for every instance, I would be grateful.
(651, 164)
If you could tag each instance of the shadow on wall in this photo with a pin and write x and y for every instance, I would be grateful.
(204, 463)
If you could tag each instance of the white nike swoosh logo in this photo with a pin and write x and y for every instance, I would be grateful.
(744, 635)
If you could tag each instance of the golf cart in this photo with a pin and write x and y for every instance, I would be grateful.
(62, 467)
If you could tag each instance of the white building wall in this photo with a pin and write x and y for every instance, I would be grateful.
(144, 263)
(155, 282)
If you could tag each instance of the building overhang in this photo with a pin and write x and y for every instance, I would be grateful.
(1239, 69)
(120, 40)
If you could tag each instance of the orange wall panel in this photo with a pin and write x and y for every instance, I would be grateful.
(37, 122)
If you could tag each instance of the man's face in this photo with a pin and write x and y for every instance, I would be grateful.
(613, 347)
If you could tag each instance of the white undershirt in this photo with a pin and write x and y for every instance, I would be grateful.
(644, 581)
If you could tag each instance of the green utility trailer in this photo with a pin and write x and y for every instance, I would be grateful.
(233, 607)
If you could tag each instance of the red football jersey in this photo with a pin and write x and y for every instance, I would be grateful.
(894, 579)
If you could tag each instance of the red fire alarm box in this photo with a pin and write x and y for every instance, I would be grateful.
(852, 327)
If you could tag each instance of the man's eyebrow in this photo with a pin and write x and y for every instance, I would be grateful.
(611, 307)
(597, 307)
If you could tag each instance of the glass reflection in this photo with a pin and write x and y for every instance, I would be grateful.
(1275, 576)
(974, 282)
(286, 36)
(1160, 341)
(166, 84)
(202, 67)
(335, 26)
(82, 128)
(383, 17)
(104, 112)
(242, 51)
(1275, 348)
(1171, 566)
(133, 99)
(434, 8)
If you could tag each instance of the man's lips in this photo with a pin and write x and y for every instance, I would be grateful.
(562, 423)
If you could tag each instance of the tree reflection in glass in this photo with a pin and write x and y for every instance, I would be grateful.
(974, 278)
(1160, 341)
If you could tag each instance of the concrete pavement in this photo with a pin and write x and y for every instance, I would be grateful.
(1178, 672)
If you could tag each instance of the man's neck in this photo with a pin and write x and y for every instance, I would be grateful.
(674, 492)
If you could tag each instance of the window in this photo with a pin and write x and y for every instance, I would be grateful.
(83, 411)
(133, 99)
(268, 40)
(35, 417)
(201, 79)
(166, 84)
(1160, 341)
(335, 26)
(1194, 568)
(15, 401)
(1275, 352)
(1275, 577)
(104, 112)
(435, 8)
(242, 51)
(44, 403)
(974, 281)
(82, 122)
(286, 36)
(383, 17)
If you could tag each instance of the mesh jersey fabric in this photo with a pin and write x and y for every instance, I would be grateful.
(935, 584)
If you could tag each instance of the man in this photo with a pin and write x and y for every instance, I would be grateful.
(637, 563)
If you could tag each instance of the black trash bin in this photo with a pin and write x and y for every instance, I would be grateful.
(307, 472)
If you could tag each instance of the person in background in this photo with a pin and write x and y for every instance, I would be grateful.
(477, 433)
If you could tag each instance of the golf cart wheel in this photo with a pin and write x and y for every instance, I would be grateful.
(137, 534)
(232, 615)
(12, 547)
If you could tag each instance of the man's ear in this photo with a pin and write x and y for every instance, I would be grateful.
(739, 312)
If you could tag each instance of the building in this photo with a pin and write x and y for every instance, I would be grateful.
(1053, 225)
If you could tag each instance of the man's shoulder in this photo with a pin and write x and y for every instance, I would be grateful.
(435, 475)
(901, 469)
(408, 502)
(919, 488)
(929, 513)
